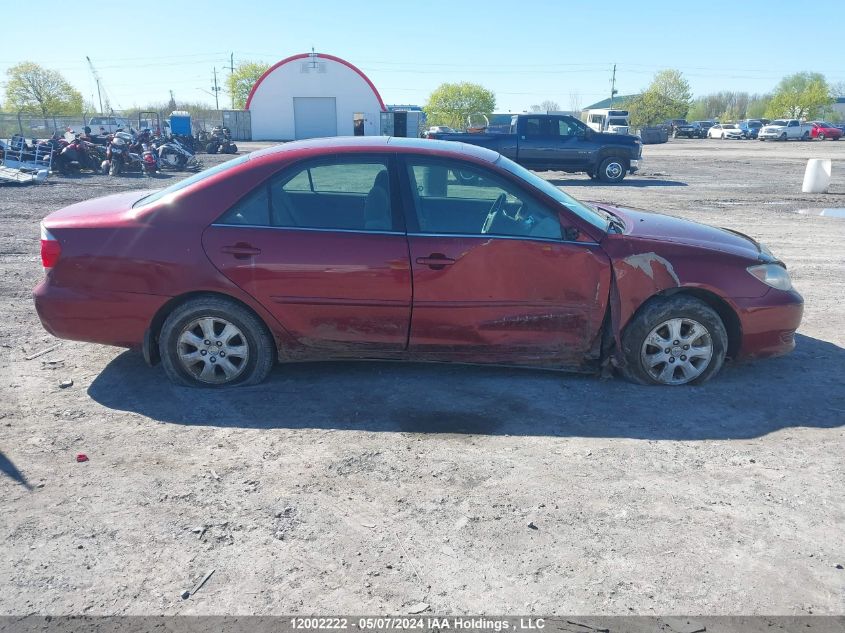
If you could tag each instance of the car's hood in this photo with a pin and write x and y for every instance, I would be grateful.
(665, 228)
(773, 128)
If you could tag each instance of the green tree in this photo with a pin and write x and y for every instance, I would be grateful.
(451, 104)
(757, 106)
(37, 90)
(240, 82)
(800, 96)
(667, 97)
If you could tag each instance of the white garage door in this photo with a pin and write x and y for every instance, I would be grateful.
(314, 116)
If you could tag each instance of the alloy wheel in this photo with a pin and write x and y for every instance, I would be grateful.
(213, 350)
(613, 170)
(677, 351)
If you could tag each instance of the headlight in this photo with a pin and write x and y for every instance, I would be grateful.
(772, 275)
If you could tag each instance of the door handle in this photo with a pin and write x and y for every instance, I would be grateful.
(241, 250)
(436, 261)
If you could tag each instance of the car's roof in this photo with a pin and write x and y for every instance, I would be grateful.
(381, 143)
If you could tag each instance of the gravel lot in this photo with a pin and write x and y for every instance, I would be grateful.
(373, 487)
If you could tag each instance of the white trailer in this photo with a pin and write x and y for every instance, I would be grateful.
(607, 120)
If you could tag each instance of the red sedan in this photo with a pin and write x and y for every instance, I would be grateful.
(822, 130)
(385, 248)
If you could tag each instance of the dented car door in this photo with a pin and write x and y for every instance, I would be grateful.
(494, 279)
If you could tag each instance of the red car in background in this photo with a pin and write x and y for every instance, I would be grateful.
(383, 248)
(822, 130)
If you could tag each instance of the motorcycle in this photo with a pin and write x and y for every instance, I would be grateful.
(119, 158)
(77, 155)
(221, 140)
(149, 158)
(174, 155)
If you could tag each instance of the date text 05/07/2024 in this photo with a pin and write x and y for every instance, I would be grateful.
(401, 623)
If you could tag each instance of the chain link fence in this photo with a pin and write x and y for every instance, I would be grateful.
(41, 127)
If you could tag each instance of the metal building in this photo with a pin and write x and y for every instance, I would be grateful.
(311, 95)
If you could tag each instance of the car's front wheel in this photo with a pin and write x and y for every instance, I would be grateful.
(215, 342)
(675, 340)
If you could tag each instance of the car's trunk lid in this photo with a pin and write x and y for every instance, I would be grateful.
(97, 212)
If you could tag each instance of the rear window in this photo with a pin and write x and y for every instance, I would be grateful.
(190, 180)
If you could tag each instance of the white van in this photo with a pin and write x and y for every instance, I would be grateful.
(607, 120)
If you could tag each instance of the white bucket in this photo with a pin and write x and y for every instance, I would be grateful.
(817, 176)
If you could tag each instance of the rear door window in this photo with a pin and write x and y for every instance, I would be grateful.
(348, 193)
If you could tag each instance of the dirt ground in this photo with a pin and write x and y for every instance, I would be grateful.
(374, 487)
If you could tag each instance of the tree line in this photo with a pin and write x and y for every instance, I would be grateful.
(32, 89)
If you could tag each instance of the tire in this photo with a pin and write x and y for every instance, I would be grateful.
(782, 137)
(821, 136)
(251, 343)
(612, 169)
(805, 136)
(654, 322)
(592, 175)
(211, 148)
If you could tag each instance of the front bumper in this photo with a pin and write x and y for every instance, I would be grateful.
(634, 165)
(770, 135)
(769, 323)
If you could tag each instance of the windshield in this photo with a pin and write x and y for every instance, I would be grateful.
(729, 126)
(778, 122)
(580, 209)
(617, 122)
(190, 180)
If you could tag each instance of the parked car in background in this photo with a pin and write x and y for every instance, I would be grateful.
(689, 130)
(110, 124)
(440, 129)
(785, 130)
(303, 251)
(671, 124)
(750, 127)
(552, 142)
(607, 120)
(822, 130)
(704, 126)
(725, 131)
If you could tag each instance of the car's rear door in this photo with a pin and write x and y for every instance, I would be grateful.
(517, 293)
(322, 246)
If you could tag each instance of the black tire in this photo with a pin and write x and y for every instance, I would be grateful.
(262, 353)
(211, 148)
(233, 149)
(592, 175)
(659, 310)
(612, 169)
(782, 137)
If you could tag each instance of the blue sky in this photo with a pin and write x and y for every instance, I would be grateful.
(524, 52)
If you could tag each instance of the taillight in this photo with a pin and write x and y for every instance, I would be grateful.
(51, 250)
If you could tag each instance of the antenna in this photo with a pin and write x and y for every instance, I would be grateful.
(313, 56)
(613, 90)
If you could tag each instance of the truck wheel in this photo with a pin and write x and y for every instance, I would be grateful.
(806, 136)
(782, 137)
(612, 169)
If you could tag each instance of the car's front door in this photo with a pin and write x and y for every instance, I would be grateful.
(494, 280)
(322, 247)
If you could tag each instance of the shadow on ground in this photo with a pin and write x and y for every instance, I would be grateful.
(8, 468)
(745, 401)
(628, 182)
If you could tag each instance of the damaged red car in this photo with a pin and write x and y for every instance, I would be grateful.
(357, 248)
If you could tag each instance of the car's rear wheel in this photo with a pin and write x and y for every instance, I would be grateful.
(215, 342)
(676, 340)
(612, 169)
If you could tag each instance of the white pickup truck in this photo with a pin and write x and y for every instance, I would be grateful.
(784, 130)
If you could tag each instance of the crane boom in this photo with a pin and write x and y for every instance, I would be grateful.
(101, 90)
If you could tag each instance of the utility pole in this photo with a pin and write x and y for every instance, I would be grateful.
(216, 89)
(232, 72)
(613, 89)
